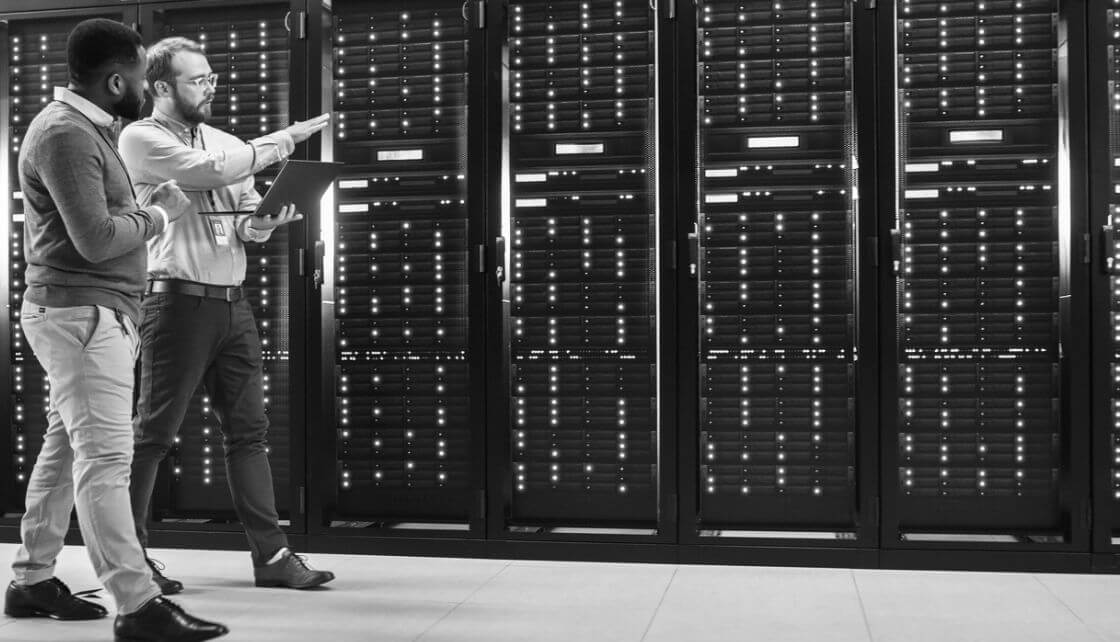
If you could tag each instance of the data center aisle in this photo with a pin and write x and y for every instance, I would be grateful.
(459, 600)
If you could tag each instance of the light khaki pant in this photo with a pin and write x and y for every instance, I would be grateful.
(88, 353)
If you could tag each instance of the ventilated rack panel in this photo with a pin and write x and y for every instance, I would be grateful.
(582, 339)
(979, 421)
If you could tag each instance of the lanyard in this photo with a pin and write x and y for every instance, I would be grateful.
(202, 142)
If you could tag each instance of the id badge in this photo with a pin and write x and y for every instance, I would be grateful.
(219, 231)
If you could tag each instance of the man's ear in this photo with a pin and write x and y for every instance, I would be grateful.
(115, 85)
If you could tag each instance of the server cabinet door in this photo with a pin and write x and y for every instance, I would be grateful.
(400, 304)
(979, 433)
(250, 48)
(1104, 110)
(576, 420)
(32, 65)
(774, 273)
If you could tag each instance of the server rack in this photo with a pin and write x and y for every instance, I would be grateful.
(250, 47)
(34, 62)
(403, 321)
(1104, 74)
(778, 317)
(984, 427)
(575, 434)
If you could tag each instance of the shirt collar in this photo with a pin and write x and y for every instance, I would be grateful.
(178, 127)
(95, 114)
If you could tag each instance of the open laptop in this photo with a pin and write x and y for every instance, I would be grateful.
(300, 182)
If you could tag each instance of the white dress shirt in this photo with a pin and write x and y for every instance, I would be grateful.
(215, 170)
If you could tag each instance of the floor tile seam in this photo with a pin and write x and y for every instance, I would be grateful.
(456, 606)
(657, 609)
(862, 607)
(1088, 627)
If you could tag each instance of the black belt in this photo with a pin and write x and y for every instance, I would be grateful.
(190, 288)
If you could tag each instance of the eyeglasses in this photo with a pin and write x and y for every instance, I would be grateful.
(209, 80)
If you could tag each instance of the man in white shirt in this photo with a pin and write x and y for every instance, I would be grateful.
(198, 326)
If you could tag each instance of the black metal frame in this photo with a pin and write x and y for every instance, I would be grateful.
(1106, 518)
(499, 490)
(859, 549)
(297, 286)
(322, 477)
(677, 540)
(1074, 310)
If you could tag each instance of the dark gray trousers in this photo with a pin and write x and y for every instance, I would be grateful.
(187, 340)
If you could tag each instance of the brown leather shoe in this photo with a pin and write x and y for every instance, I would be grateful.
(49, 598)
(161, 620)
(290, 571)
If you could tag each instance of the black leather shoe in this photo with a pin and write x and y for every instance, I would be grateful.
(161, 620)
(49, 598)
(167, 586)
(290, 571)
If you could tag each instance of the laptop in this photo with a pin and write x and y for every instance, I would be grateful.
(300, 182)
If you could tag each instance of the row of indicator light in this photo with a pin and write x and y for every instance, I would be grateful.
(555, 422)
(1115, 18)
(263, 73)
(585, 73)
(17, 87)
(944, 7)
(19, 418)
(437, 79)
(981, 41)
(441, 420)
(907, 440)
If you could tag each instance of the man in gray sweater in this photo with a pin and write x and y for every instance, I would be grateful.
(85, 241)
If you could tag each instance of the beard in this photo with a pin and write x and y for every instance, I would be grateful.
(130, 106)
(195, 114)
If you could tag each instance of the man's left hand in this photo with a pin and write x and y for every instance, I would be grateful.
(268, 223)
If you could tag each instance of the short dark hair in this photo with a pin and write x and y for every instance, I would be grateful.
(98, 43)
(161, 53)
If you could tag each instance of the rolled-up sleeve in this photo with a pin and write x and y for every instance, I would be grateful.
(155, 155)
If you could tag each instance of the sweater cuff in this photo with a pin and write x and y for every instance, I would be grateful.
(156, 209)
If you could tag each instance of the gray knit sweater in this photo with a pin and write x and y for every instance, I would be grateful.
(84, 235)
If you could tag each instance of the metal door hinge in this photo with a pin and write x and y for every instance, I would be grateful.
(317, 275)
(873, 249)
(302, 500)
(499, 260)
(482, 504)
(896, 251)
(301, 262)
(694, 251)
(1087, 515)
(1108, 248)
(481, 256)
(1087, 249)
(867, 4)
